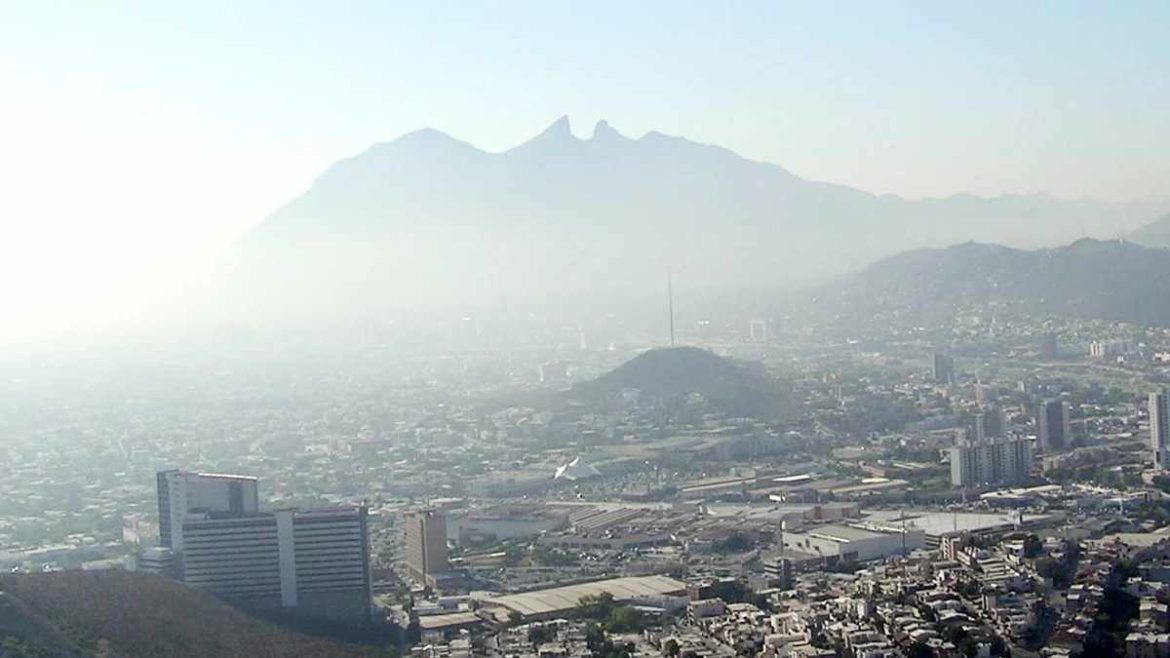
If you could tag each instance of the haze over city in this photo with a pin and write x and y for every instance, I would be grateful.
(142, 141)
(542, 330)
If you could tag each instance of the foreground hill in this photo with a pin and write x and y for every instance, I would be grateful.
(1109, 280)
(119, 614)
(427, 219)
(672, 376)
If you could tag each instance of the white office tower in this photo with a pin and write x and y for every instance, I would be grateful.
(1160, 428)
(314, 563)
(991, 461)
(181, 493)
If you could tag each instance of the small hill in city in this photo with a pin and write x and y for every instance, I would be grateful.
(674, 375)
(1111, 280)
(121, 614)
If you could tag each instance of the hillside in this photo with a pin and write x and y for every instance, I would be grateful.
(1110, 280)
(429, 220)
(1154, 234)
(671, 375)
(120, 614)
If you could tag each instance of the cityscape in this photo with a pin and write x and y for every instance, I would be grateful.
(917, 495)
(584, 330)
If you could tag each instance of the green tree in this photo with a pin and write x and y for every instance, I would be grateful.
(596, 606)
(1033, 547)
(671, 648)
(623, 619)
(920, 650)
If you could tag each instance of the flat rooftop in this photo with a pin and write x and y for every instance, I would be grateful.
(452, 620)
(945, 523)
(841, 533)
(558, 599)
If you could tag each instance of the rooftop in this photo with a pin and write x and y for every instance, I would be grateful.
(557, 599)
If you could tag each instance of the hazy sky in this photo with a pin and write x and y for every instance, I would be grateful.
(137, 139)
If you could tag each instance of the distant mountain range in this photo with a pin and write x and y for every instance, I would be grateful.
(1154, 234)
(1112, 280)
(671, 377)
(128, 615)
(430, 220)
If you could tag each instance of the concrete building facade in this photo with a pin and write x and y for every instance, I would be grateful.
(311, 562)
(426, 544)
(991, 461)
(1160, 428)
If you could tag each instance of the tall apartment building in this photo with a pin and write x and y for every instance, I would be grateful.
(1049, 348)
(991, 461)
(1160, 428)
(181, 493)
(426, 544)
(1052, 430)
(313, 562)
(943, 369)
(990, 423)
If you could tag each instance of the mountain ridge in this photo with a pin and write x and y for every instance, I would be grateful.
(1112, 280)
(430, 219)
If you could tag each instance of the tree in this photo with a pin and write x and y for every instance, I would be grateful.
(540, 634)
(920, 650)
(594, 636)
(595, 606)
(736, 542)
(413, 632)
(623, 619)
(1033, 547)
(515, 618)
(671, 648)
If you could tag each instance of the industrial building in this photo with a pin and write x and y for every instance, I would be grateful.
(658, 591)
(855, 543)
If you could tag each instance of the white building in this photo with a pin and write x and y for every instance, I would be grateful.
(181, 493)
(314, 561)
(991, 461)
(854, 543)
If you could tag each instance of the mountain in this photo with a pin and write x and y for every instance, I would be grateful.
(1154, 234)
(429, 220)
(128, 615)
(669, 377)
(1111, 280)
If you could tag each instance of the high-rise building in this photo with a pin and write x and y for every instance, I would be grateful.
(991, 461)
(944, 369)
(315, 562)
(989, 423)
(1052, 431)
(1160, 428)
(985, 394)
(426, 544)
(157, 560)
(758, 331)
(181, 493)
(1049, 349)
